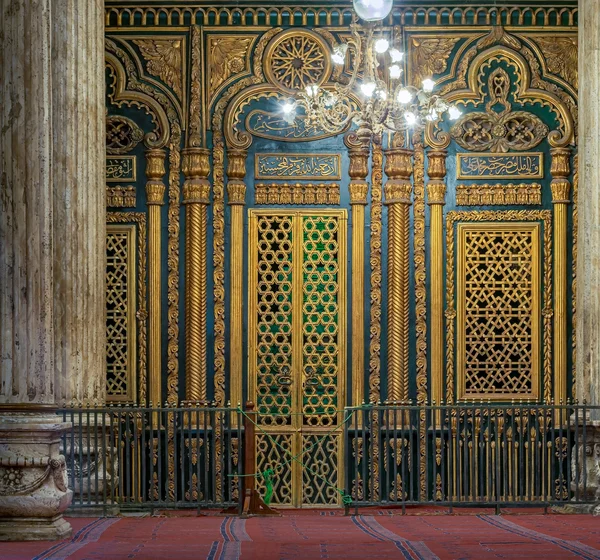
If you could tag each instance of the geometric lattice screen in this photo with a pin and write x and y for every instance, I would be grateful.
(297, 348)
(498, 306)
(120, 312)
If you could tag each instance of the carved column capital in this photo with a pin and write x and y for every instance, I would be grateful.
(398, 163)
(236, 173)
(398, 191)
(436, 164)
(155, 170)
(436, 192)
(560, 166)
(561, 191)
(358, 192)
(195, 164)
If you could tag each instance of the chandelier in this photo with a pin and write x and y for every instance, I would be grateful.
(375, 96)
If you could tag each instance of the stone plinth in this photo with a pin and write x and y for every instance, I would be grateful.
(33, 477)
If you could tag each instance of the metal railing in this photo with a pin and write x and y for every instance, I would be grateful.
(469, 454)
(138, 458)
(466, 454)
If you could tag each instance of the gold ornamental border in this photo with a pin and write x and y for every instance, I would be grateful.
(454, 217)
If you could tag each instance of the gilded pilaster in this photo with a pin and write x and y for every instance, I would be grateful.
(436, 198)
(398, 168)
(561, 191)
(358, 151)
(196, 197)
(155, 197)
(236, 196)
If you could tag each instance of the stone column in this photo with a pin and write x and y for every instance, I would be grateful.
(398, 168)
(78, 169)
(52, 250)
(588, 245)
(33, 491)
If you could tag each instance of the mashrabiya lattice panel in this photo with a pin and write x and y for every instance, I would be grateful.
(498, 283)
(274, 320)
(118, 286)
(320, 472)
(271, 451)
(320, 319)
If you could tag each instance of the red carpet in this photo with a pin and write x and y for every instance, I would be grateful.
(323, 535)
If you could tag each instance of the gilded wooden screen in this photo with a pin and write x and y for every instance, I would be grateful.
(297, 349)
(498, 297)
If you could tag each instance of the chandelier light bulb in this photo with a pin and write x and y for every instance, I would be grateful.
(404, 96)
(410, 118)
(428, 85)
(395, 71)
(382, 94)
(454, 112)
(372, 10)
(382, 45)
(368, 88)
(287, 107)
(330, 100)
(396, 55)
(431, 116)
(339, 53)
(312, 89)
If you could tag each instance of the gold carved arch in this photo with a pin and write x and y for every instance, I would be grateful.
(124, 96)
(469, 77)
(162, 60)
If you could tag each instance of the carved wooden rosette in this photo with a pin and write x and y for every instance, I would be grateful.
(236, 198)
(196, 197)
(398, 189)
(436, 198)
(561, 191)
(155, 198)
(358, 151)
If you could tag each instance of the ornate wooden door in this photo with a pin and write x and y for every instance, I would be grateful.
(297, 350)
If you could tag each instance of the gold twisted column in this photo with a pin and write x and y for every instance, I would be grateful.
(561, 191)
(236, 197)
(196, 193)
(155, 198)
(398, 168)
(436, 198)
(358, 151)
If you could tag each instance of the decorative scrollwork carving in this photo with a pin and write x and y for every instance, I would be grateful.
(560, 54)
(429, 57)
(163, 59)
(122, 135)
(499, 131)
(227, 57)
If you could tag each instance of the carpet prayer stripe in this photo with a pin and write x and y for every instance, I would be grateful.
(322, 535)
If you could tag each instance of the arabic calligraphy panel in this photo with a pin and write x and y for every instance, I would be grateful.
(500, 166)
(297, 166)
(120, 169)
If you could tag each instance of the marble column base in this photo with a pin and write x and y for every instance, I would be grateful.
(92, 466)
(33, 477)
(587, 453)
